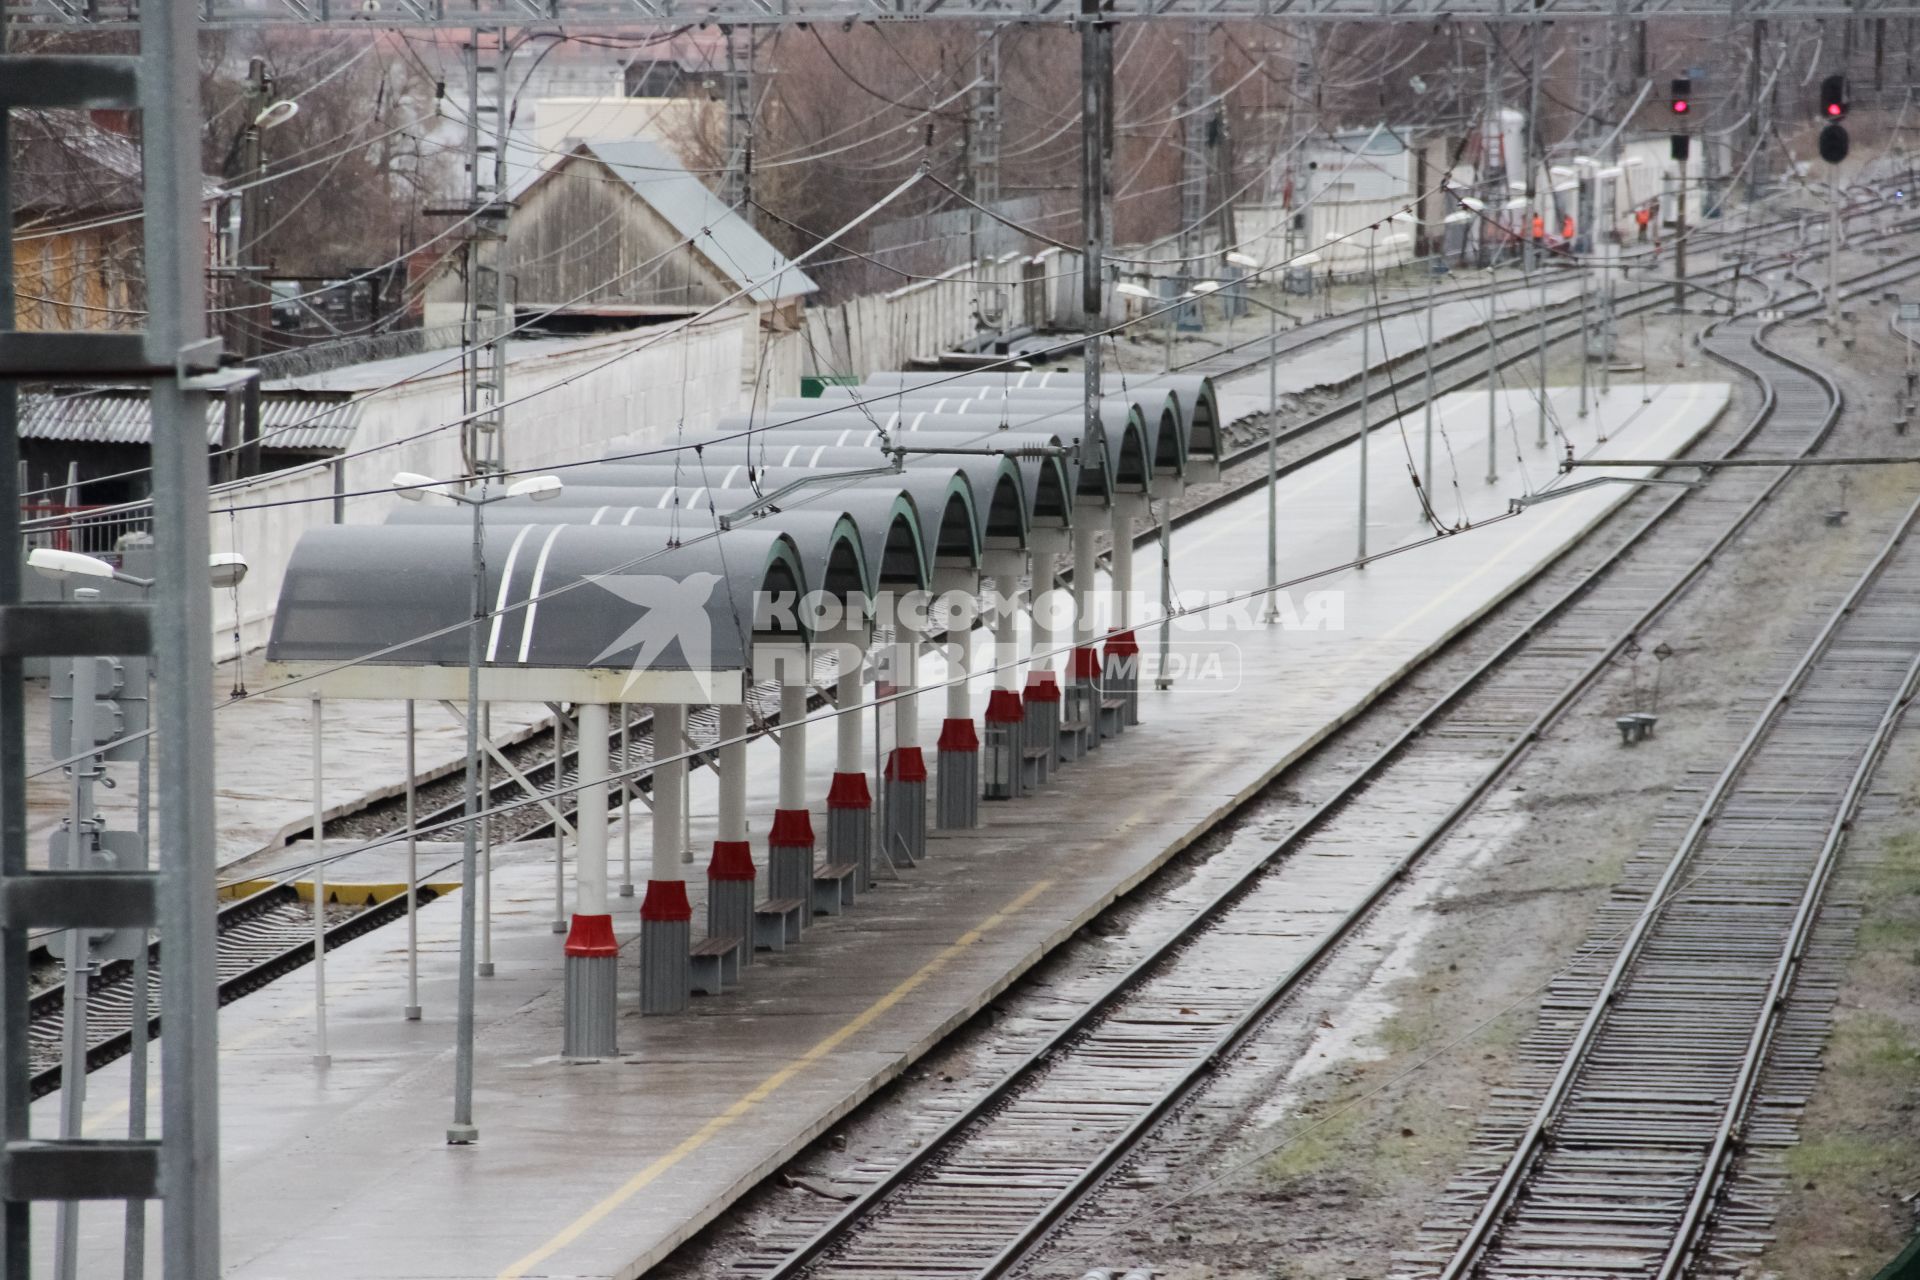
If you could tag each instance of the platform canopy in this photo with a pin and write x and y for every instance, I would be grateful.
(649, 580)
(581, 613)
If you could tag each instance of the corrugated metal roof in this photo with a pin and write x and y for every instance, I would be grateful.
(721, 235)
(121, 416)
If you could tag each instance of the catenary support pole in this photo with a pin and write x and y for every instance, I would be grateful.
(174, 258)
(412, 1012)
(560, 828)
(1426, 462)
(1270, 611)
(626, 801)
(1366, 427)
(1493, 383)
(78, 857)
(321, 1057)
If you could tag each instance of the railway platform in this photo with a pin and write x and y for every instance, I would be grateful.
(600, 1169)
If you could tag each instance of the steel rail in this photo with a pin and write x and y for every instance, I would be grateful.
(1480, 1233)
(1719, 1155)
(903, 1172)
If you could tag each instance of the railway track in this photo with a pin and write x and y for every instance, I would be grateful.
(979, 1195)
(1645, 1076)
(261, 937)
(270, 934)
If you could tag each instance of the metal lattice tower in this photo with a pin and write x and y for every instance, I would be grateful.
(177, 362)
(736, 186)
(1194, 155)
(983, 129)
(489, 301)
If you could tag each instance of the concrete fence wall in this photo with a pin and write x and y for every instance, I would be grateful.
(595, 398)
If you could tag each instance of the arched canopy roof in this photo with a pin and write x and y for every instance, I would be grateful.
(579, 611)
(892, 540)
(831, 545)
(1197, 402)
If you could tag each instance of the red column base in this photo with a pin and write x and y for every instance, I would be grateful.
(792, 829)
(1086, 663)
(958, 735)
(1003, 707)
(1042, 687)
(906, 764)
(666, 901)
(732, 860)
(1123, 645)
(593, 936)
(849, 791)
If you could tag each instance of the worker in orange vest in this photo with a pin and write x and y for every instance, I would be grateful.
(1566, 228)
(1539, 228)
(1643, 216)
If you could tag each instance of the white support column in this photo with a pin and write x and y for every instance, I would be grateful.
(1082, 708)
(790, 842)
(1120, 665)
(906, 780)
(1001, 762)
(957, 758)
(731, 873)
(849, 797)
(665, 914)
(1044, 602)
(593, 956)
(321, 1057)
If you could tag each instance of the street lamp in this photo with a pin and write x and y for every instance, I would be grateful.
(414, 487)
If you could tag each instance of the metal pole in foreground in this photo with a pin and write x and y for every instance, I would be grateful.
(174, 256)
(1585, 360)
(413, 884)
(1493, 384)
(134, 1262)
(1426, 471)
(1540, 441)
(1366, 389)
(462, 1130)
(1161, 679)
(626, 804)
(1271, 613)
(321, 1057)
(559, 828)
(73, 1048)
(484, 968)
(1833, 254)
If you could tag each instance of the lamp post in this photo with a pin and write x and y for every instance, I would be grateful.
(415, 488)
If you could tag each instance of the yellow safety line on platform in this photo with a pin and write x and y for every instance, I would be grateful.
(761, 1092)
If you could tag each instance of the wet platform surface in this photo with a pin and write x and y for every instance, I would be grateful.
(600, 1169)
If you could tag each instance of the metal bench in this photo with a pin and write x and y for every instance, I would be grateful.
(1113, 717)
(1036, 765)
(776, 922)
(1073, 738)
(833, 884)
(714, 964)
